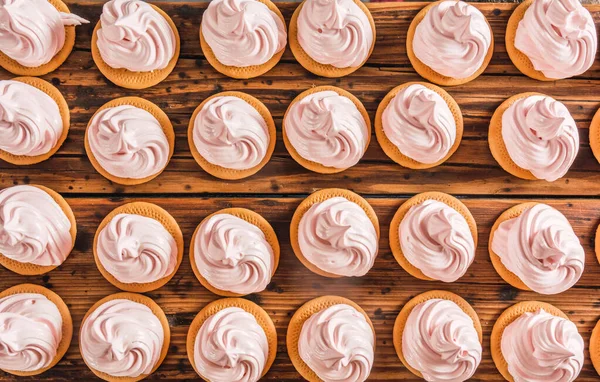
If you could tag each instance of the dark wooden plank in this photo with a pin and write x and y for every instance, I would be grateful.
(382, 292)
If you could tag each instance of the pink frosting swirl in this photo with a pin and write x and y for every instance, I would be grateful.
(441, 342)
(437, 240)
(122, 338)
(327, 128)
(338, 237)
(32, 32)
(540, 347)
(231, 347)
(335, 32)
(558, 36)
(453, 39)
(233, 255)
(128, 142)
(338, 344)
(540, 136)
(33, 227)
(231, 133)
(419, 122)
(136, 249)
(242, 32)
(135, 36)
(540, 247)
(30, 120)
(30, 332)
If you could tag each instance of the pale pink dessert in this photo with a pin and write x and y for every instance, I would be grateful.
(338, 344)
(33, 227)
(441, 342)
(30, 332)
(136, 249)
(338, 237)
(242, 32)
(128, 142)
(30, 120)
(335, 32)
(231, 346)
(419, 122)
(135, 36)
(540, 136)
(231, 133)
(327, 128)
(540, 247)
(32, 32)
(437, 240)
(122, 338)
(559, 37)
(540, 347)
(453, 39)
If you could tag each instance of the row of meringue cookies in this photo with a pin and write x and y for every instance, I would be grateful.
(329, 338)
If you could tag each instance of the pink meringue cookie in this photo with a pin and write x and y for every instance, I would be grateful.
(30, 120)
(436, 239)
(419, 122)
(338, 344)
(540, 347)
(441, 342)
(243, 32)
(540, 247)
(32, 32)
(136, 249)
(33, 227)
(233, 255)
(30, 332)
(453, 39)
(231, 347)
(231, 133)
(327, 128)
(338, 237)
(135, 36)
(540, 136)
(335, 32)
(128, 142)
(122, 338)
(559, 37)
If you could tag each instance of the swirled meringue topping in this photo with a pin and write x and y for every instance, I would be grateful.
(30, 120)
(30, 332)
(327, 128)
(242, 32)
(33, 227)
(233, 255)
(135, 36)
(128, 142)
(231, 347)
(540, 247)
(540, 347)
(558, 36)
(32, 32)
(231, 133)
(540, 136)
(453, 39)
(419, 122)
(338, 237)
(437, 240)
(136, 249)
(338, 344)
(335, 32)
(122, 338)
(441, 342)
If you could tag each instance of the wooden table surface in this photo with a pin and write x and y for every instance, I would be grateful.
(189, 194)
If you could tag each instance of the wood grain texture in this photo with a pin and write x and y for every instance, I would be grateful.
(189, 194)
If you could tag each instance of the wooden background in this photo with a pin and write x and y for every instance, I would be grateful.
(189, 194)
